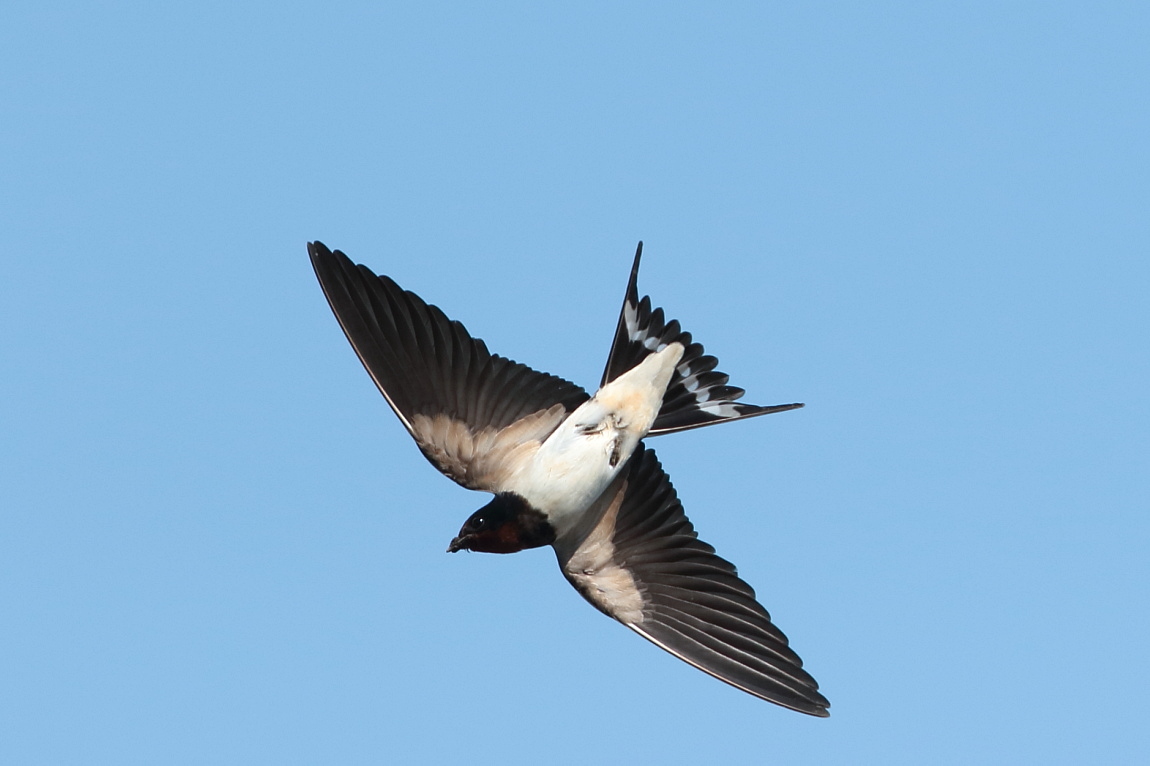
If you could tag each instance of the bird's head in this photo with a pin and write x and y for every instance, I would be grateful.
(505, 525)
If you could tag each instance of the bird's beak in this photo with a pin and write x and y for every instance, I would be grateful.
(458, 544)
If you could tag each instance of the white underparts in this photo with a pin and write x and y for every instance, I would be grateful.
(576, 463)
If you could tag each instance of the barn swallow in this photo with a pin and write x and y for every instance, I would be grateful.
(571, 471)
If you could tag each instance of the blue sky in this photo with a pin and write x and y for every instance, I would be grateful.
(928, 222)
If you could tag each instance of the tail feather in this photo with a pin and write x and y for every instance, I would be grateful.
(698, 395)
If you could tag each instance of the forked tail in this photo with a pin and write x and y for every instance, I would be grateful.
(698, 394)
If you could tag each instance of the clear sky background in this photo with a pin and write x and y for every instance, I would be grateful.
(929, 222)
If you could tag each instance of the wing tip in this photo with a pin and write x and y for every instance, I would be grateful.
(807, 699)
(323, 258)
(317, 249)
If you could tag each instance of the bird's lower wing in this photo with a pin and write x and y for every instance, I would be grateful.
(643, 564)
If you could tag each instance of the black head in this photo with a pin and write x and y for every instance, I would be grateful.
(505, 525)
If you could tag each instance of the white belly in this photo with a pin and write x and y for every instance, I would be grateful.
(577, 462)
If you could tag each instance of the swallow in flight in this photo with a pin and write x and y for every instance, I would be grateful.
(570, 470)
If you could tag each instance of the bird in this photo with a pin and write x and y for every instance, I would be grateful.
(572, 470)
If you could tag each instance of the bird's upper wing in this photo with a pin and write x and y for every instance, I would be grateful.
(698, 394)
(643, 564)
(472, 413)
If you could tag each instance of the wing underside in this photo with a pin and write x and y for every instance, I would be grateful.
(469, 410)
(644, 565)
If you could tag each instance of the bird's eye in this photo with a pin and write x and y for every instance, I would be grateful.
(480, 521)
